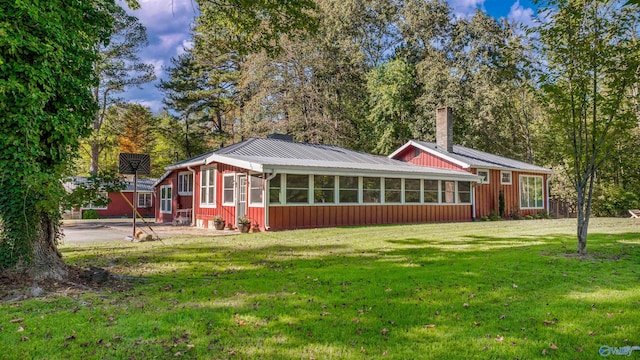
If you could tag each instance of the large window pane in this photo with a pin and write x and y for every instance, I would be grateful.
(531, 192)
(324, 189)
(370, 190)
(412, 190)
(208, 187)
(255, 191)
(297, 188)
(392, 190)
(274, 189)
(464, 192)
(348, 189)
(431, 191)
(228, 189)
(448, 192)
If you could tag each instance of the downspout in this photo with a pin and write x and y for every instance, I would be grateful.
(266, 205)
(473, 201)
(548, 180)
(193, 197)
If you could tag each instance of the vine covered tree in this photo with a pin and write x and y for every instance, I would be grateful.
(47, 52)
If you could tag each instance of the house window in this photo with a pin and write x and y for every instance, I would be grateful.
(165, 199)
(505, 177)
(370, 190)
(412, 190)
(448, 192)
(464, 192)
(431, 191)
(145, 200)
(531, 192)
(484, 174)
(348, 189)
(275, 186)
(392, 190)
(324, 189)
(297, 189)
(228, 190)
(208, 187)
(185, 183)
(103, 197)
(255, 191)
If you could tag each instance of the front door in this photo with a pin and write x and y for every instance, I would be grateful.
(241, 200)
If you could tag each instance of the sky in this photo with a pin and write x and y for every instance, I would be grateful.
(168, 24)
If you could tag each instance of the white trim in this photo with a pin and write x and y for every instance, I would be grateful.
(430, 151)
(510, 177)
(483, 182)
(208, 186)
(231, 175)
(262, 188)
(143, 205)
(520, 192)
(249, 165)
(164, 200)
(187, 182)
(418, 174)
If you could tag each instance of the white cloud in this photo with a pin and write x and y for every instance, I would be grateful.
(154, 105)
(186, 45)
(520, 14)
(465, 8)
(157, 65)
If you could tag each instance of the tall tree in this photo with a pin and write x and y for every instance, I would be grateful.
(591, 60)
(46, 56)
(118, 68)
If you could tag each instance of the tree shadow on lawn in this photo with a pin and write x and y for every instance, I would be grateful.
(281, 301)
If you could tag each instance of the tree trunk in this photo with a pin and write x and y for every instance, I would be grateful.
(46, 263)
(583, 222)
(95, 153)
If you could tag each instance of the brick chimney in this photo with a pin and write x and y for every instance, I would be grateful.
(444, 128)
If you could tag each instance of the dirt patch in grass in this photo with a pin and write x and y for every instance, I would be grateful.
(17, 286)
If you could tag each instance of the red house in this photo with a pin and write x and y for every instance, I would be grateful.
(121, 202)
(281, 184)
(525, 187)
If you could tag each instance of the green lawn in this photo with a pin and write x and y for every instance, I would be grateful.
(488, 290)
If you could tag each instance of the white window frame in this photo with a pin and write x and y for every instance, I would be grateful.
(144, 195)
(520, 190)
(502, 182)
(488, 178)
(225, 189)
(185, 187)
(206, 187)
(90, 205)
(261, 186)
(458, 193)
(164, 201)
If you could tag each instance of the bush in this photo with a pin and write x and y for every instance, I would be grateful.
(90, 214)
(528, 217)
(613, 200)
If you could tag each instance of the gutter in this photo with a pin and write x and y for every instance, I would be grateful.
(266, 205)
(193, 197)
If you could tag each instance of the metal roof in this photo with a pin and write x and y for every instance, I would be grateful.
(144, 184)
(475, 158)
(276, 155)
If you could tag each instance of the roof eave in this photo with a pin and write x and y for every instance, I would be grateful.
(436, 153)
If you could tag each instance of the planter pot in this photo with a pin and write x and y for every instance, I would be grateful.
(219, 225)
(244, 228)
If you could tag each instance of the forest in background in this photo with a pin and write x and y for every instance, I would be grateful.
(366, 75)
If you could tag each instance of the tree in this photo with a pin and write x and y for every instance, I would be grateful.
(47, 52)
(118, 67)
(591, 61)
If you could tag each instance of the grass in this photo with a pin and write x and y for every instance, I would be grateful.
(495, 290)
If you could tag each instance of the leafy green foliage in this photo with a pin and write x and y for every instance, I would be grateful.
(47, 50)
(91, 190)
(90, 214)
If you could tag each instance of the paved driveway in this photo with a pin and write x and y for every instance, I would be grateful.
(85, 231)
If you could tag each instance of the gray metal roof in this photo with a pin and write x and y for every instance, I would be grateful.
(279, 154)
(144, 184)
(480, 159)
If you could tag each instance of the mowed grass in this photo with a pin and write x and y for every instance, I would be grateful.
(489, 290)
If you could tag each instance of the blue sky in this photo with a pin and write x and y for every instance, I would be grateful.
(168, 23)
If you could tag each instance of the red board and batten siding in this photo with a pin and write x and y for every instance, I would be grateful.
(298, 217)
(487, 195)
(425, 159)
(119, 207)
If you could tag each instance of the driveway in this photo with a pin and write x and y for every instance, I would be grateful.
(86, 231)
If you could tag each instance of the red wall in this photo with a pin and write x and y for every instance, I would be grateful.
(487, 195)
(294, 217)
(118, 207)
(425, 159)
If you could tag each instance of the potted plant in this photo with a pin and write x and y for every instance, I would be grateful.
(244, 224)
(218, 221)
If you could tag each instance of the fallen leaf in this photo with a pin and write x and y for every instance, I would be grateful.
(591, 333)
(465, 305)
(388, 290)
(544, 352)
(190, 346)
(503, 316)
(18, 320)
(472, 295)
(499, 338)
(24, 338)
(384, 353)
(549, 322)
(430, 326)
(384, 331)
(242, 323)
(20, 328)
(515, 286)
(553, 346)
(70, 337)
(477, 323)
(625, 341)
(362, 349)
(179, 353)
(579, 349)
(609, 315)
